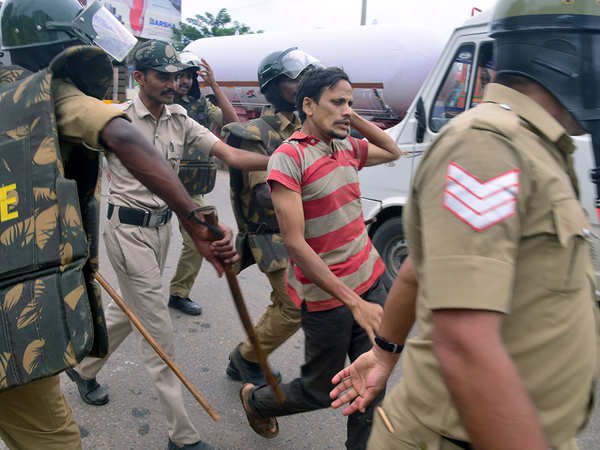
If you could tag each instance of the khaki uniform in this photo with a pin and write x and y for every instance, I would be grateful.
(190, 261)
(282, 318)
(138, 256)
(520, 248)
(36, 414)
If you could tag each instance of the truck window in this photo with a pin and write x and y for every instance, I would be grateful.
(485, 71)
(452, 95)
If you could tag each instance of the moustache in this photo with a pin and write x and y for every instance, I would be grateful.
(168, 92)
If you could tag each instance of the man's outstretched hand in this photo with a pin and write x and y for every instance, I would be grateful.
(359, 383)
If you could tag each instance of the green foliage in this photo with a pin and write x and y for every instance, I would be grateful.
(208, 25)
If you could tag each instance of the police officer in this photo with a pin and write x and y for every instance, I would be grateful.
(258, 238)
(197, 171)
(138, 231)
(507, 352)
(53, 128)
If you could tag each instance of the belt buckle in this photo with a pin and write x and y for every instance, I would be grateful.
(158, 219)
(153, 220)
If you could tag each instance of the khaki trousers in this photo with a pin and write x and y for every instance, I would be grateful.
(279, 321)
(37, 416)
(138, 257)
(409, 433)
(189, 262)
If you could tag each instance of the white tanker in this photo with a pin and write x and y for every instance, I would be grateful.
(386, 64)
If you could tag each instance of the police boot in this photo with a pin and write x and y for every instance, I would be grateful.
(89, 390)
(185, 305)
(241, 369)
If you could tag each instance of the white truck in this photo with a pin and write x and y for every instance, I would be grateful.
(454, 84)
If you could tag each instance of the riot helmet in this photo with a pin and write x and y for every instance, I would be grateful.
(188, 57)
(290, 62)
(192, 59)
(279, 65)
(28, 25)
(557, 44)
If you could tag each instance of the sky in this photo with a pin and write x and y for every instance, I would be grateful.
(279, 15)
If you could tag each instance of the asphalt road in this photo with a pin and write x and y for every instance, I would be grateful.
(133, 418)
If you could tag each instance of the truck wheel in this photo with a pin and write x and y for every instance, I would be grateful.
(390, 242)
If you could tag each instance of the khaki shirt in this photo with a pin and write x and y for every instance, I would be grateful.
(170, 134)
(80, 118)
(493, 223)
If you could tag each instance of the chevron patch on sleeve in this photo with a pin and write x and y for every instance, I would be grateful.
(480, 204)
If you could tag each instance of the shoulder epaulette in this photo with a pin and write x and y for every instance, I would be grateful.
(493, 117)
(177, 109)
(249, 131)
(125, 105)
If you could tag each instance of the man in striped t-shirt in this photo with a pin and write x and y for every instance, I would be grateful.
(334, 270)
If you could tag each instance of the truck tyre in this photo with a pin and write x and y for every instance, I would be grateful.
(390, 242)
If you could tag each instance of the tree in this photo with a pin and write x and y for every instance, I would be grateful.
(208, 25)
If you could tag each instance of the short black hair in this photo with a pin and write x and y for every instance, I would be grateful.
(314, 82)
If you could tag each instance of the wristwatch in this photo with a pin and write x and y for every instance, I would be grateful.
(387, 345)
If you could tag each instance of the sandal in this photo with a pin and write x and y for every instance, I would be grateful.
(266, 427)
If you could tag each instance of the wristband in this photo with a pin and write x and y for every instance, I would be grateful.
(387, 345)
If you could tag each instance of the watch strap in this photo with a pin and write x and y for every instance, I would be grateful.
(387, 345)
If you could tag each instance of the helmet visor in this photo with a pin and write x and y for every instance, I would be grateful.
(295, 62)
(111, 35)
(189, 58)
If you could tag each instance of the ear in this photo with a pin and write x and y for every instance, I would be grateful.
(308, 105)
(139, 77)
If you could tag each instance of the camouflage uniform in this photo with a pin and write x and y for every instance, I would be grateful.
(198, 182)
(51, 310)
(258, 240)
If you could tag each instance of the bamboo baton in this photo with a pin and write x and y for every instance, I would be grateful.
(210, 216)
(190, 387)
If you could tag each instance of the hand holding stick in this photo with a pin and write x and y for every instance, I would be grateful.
(210, 217)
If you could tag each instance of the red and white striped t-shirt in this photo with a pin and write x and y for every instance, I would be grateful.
(327, 179)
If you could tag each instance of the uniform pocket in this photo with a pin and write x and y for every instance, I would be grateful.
(567, 252)
(174, 155)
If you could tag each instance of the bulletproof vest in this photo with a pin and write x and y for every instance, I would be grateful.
(259, 240)
(50, 311)
(197, 171)
(196, 109)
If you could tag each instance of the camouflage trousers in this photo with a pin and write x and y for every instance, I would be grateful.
(409, 433)
(36, 415)
(189, 262)
(279, 321)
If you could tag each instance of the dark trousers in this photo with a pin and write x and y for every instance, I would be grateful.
(329, 336)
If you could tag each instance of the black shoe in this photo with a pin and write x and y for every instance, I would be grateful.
(200, 445)
(241, 369)
(185, 305)
(89, 390)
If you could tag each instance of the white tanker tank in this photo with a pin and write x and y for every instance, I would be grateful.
(386, 64)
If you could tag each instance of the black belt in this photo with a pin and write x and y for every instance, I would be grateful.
(462, 444)
(140, 217)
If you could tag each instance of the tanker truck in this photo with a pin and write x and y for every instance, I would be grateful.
(383, 62)
(406, 76)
